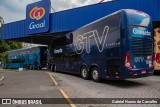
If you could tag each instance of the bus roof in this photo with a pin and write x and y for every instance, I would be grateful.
(122, 11)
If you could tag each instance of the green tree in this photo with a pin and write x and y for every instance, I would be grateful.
(7, 46)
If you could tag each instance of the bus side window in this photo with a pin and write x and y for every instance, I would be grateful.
(77, 57)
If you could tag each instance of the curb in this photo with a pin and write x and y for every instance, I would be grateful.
(53, 79)
(2, 78)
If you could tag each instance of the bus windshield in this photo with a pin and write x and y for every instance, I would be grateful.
(138, 18)
(139, 24)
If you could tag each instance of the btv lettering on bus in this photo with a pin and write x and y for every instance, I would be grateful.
(37, 13)
(138, 59)
(83, 41)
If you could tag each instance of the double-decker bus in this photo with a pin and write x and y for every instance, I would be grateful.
(117, 46)
(31, 58)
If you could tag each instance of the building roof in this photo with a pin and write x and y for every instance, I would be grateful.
(69, 20)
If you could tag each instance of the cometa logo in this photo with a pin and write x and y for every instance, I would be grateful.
(141, 32)
(37, 13)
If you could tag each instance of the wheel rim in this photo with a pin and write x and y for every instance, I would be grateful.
(84, 72)
(95, 74)
(30, 67)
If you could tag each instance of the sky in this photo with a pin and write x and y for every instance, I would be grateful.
(14, 10)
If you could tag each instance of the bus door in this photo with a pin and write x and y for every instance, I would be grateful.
(123, 48)
(113, 54)
(74, 63)
(67, 65)
(71, 58)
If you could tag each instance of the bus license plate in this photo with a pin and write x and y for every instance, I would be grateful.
(143, 72)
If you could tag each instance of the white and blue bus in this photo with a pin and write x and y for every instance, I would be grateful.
(117, 46)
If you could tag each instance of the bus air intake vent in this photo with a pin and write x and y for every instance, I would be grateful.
(141, 46)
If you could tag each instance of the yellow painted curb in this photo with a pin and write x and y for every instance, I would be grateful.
(67, 98)
(2, 78)
(62, 92)
(53, 79)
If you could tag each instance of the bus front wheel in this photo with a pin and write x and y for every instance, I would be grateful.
(85, 73)
(95, 74)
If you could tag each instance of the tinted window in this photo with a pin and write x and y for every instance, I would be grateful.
(72, 57)
(113, 22)
(138, 18)
(17, 60)
(58, 57)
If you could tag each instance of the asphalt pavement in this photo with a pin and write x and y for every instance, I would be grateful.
(46, 84)
(29, 84)
(76, 87)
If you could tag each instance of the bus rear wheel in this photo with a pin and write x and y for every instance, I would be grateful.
(53, 67)
(95, 74)
(85, 73)
(30, 67)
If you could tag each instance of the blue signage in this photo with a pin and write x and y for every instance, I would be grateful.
(37, 17)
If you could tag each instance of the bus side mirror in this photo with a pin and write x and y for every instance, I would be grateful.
(71, 37)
